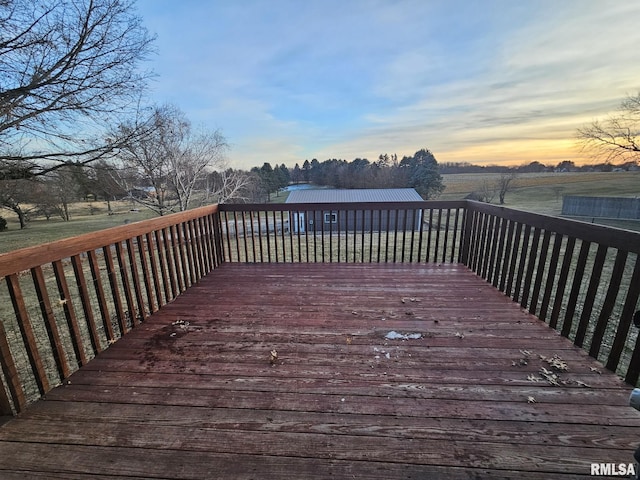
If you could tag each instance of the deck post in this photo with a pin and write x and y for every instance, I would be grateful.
(467, 227)
(11, 377)
(217, 238)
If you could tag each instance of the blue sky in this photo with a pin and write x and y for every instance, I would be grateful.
(481, 81)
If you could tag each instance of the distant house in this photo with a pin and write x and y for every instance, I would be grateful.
(360, 209)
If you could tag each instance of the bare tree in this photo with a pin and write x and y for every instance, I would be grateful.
(505, 184)
(67, 69)
(230, 186)
(63, 189)
(164, 168)
(16, 196)
(488, 190)
(616, 137)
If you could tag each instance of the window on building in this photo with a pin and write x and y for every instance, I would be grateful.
(330, 218)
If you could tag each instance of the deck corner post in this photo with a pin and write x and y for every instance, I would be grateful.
(9, 372)
(467, 225)
(218, 237)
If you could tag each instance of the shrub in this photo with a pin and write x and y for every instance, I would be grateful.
(3, 224)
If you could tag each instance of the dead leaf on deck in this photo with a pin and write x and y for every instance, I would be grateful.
(582, 384)
(556, 362)
(531, 399)
(549, 376)
(273, 357)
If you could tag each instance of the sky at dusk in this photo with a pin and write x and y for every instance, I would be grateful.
(486, 82)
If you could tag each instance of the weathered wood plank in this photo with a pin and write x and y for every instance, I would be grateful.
(432, 427)
(186, 465)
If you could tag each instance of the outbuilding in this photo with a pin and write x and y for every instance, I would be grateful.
(375, 209)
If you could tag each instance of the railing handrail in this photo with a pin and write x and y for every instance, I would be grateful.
(613, 237)
(341, 206)
(30, 257)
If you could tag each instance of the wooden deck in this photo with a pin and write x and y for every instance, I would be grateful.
(192, 393)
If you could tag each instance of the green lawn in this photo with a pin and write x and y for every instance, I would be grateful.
(40, 231)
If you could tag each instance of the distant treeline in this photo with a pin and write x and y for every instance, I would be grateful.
(420, 171)
(535, 167)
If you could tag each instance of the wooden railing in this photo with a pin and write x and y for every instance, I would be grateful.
(355, 232)
(66, 301)
(580, 278)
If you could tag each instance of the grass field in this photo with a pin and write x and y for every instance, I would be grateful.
(40, 230)
(543, 192)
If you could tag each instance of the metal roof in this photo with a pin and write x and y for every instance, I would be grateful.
(354, 195)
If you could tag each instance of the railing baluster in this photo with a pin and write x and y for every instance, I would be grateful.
(188, 246)
(162, 266)
(282, 233)
(446, 236)
(315, 238)
(379, 230)
(404, 235)
(69, 313)
(438, 228)
(542, 266)
(515, 249)
(244, 237)
(177, 260)
(493, 249)
(454, 240)
(135, 277)
(551, 276)
(562, 281)
(253, 236)
(524, 248)
(228, 235)
(260, 237)
(126, 285)
(154, 270)
(275, 235)
(12, 378)
(500, 252)
(51, 326)
(626, 316)
(575, 289)
(487, 242)
(590, 297)
(170, 265)
(428, 253)
(202, 225)
(102, 299)
(28, 337)
(85, 301)
(194, 250)
(115, 289)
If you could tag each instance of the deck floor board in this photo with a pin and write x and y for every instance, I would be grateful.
(191, 393)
